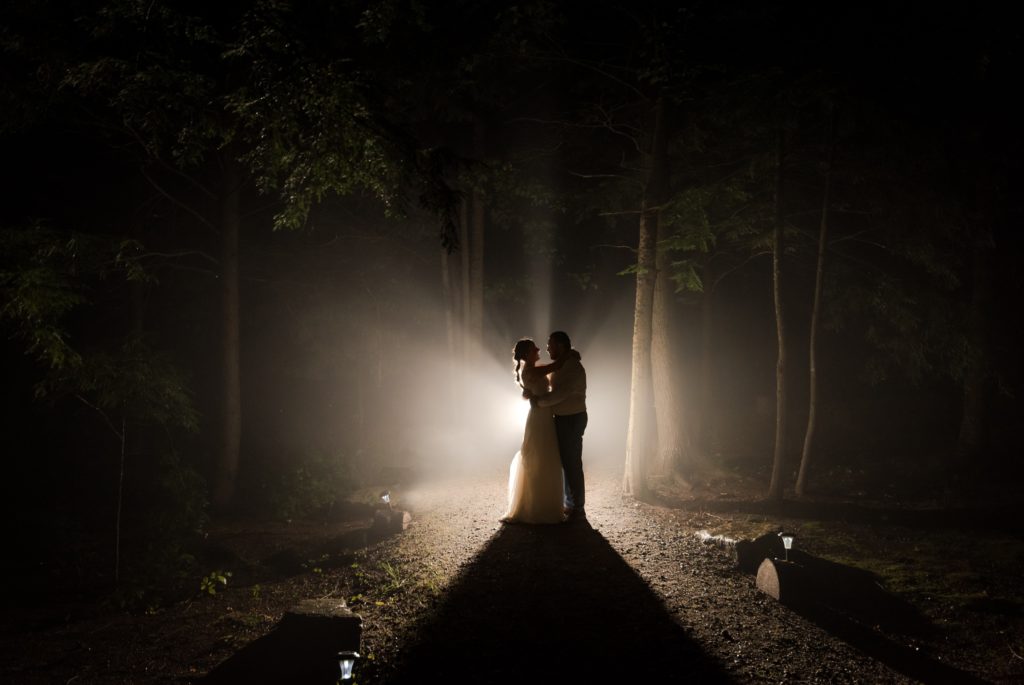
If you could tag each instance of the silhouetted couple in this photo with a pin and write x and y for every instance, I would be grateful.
(545, 482)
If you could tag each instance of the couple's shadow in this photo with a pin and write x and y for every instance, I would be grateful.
(551, 604)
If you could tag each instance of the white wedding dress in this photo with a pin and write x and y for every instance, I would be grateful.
(535, 477)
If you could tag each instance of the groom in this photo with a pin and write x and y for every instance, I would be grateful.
(568, 402)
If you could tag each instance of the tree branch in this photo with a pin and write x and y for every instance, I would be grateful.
(102, 413)
(261, 208)
(579, 175)
(718, 278)
(182, 253)
(202, 219)
(169, 167)
(597, 70)
(193, 269)
(615, 247)
(856, 237)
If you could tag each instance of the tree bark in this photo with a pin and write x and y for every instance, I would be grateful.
(671, 434)
(231, 426)
(638, 435)
(819, 278)
(448, 298)
(786, 582)
(973, 438)
(705, 423)
(463, 289)
(477, 215)
(476, 275)
(775, 488)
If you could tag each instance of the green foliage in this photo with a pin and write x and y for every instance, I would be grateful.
(44, 276)
(309, 127)
(209, 584)
(38, 289)
(177, 501)
(314, 481)
(169, 515)
(912, 330)
(135, 381)
(163, 89)
(396, 578)
(287, 90)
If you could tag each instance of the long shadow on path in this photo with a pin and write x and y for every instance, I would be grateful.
(552, 604)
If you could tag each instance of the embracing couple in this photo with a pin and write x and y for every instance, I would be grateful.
(545, 483)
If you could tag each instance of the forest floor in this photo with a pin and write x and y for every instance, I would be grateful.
(632, 592)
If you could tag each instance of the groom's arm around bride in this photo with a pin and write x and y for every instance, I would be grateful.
(568, 394)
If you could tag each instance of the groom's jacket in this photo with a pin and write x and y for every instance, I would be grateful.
(568, 390)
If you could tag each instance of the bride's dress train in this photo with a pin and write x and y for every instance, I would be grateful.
(535, 476)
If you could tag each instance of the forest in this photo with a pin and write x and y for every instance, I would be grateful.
(260, 261)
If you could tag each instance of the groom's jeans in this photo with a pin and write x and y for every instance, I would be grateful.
(569, 430)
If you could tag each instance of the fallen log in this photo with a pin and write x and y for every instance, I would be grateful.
(750, 553)
(390, 521)
(787, 582)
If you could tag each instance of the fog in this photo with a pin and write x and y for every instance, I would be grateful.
(347, 352)
(472, 416)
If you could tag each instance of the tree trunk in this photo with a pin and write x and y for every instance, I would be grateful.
(448, 298)
(819, 277)
(705, 415)
(231, 426)
(137, 298)
(668, 410)
(973, 439)
(786, 582)
(775, 488)
(638, 436)
(476, 276)
(463, 289)
(476, 215)
(672, 437)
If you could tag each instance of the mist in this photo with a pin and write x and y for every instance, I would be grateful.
(261, 263)
(358, 366)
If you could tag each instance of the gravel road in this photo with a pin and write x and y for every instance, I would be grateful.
(631, 593)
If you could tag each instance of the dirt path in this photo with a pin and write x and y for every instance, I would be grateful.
(632, 594)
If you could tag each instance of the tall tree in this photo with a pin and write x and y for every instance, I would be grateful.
(819, 278)
(225, 99)
(776, 486)
(231, 347)
(475, 249)
(671, 433)
(973, 437)
(639, 438)
(46, 277)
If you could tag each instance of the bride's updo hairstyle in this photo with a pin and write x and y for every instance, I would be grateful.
(519, 353)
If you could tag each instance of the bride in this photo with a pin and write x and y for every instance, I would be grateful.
(535, 489)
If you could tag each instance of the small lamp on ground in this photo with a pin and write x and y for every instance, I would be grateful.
(386, 497)
(347, 662)
(787, 542)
